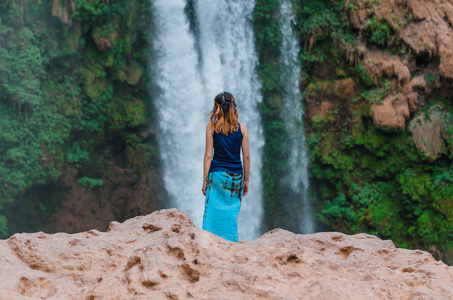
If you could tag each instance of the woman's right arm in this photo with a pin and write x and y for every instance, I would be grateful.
(207, 156)
(245, 157)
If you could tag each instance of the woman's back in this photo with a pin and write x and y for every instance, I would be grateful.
(224, 181)
(227, 152)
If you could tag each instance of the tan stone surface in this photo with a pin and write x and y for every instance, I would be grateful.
(425, 26)
(387, 114)
(395, 108)
(429, 132)
(164, 256)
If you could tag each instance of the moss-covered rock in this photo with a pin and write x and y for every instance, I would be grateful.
(371, 171)
(105, 37)
(134, 73)
(429, 131)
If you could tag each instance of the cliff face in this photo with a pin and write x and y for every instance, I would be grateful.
(423, 30)
(163, 255)
(377, 81)
(77, 125)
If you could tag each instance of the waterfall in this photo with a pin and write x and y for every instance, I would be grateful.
(292, 113)
(189, 70)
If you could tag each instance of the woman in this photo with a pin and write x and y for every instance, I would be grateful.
(224, 180)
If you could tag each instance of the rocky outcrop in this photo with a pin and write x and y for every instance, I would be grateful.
(429, 132)
(424, 25)
(420, 33)
(163, 255)
(395, 108)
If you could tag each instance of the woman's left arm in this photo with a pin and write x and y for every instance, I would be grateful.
(207, 156)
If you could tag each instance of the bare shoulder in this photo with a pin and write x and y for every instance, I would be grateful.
(210, 128)
(243, 128)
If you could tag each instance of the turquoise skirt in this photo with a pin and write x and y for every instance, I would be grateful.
(222, 204)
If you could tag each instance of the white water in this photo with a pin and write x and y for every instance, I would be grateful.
(292, 112)
(187, 92)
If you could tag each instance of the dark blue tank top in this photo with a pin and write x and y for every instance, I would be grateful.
(227, 152)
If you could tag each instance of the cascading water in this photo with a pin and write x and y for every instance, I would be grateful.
(187, 86)
(292, 113)
(229, 60)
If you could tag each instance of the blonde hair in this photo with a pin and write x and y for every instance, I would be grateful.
(224, 115)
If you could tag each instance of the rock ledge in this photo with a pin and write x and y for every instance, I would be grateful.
(164, 256)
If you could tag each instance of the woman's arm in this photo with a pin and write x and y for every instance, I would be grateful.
(245, 157)
(207, 156)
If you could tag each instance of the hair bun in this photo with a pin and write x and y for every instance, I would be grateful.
(225, 104)
(226, 98)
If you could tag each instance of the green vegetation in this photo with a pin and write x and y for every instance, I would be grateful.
(367, 179)
(281, 207)
(73, 91)
(268, 39)
(90, 182)
(378, 31)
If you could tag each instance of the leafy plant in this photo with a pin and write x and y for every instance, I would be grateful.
(378, 30)
(90, 182)
(64, 100)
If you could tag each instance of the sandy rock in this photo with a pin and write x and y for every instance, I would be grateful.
(164, 256)
(418, 82)
(429, 132)
(394, 109)
(392, 113)
(425, 26)
(404, 75)
(428, 28)
(380, 63)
